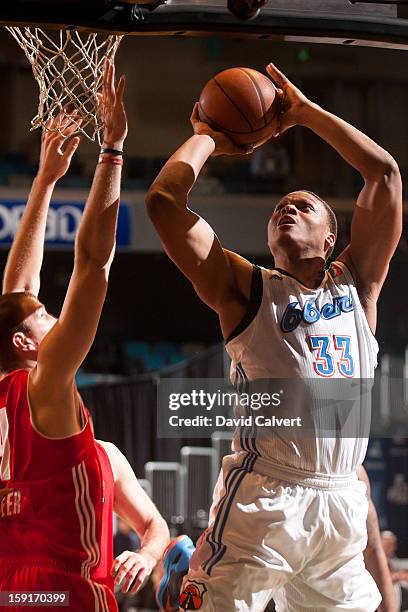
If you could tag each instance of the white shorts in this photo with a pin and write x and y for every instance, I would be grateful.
(269, 538)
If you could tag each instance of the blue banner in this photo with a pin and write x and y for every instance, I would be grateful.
(62, 222)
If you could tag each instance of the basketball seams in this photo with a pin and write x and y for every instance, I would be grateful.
(239, 102)
(258, 92)
(234, 104)
(221, 128)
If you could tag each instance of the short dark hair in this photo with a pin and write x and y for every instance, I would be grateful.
(331, 217)
(14, 309)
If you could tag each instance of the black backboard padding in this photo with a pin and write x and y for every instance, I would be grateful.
(344, 24)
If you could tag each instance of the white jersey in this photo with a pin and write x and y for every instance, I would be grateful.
(302, 333)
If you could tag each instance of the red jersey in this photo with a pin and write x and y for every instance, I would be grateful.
(60, 510)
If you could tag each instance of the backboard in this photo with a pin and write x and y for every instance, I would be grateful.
(324, 21)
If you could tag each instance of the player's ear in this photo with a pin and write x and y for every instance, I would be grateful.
(22, 342)
(329, 241)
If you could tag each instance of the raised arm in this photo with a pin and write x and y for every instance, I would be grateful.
(133, 505)
(374, 555)
(63, 349)
(221, 278)
(377, 219)
(22, 272)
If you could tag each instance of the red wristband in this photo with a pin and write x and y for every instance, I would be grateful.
(110, 159)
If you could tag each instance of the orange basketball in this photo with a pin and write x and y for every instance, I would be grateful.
(242, 103)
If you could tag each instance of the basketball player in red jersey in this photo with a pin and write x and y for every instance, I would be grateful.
(288, 520)
(57, 486)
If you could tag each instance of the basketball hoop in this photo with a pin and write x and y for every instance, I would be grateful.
(68, 67)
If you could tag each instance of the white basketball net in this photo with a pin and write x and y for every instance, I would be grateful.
(68, 67)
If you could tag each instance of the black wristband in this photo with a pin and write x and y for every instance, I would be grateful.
(111, 151)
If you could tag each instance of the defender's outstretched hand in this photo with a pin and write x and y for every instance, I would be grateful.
(293, 101)
(112, 108)
(54, 158)
(24, 261)
(223, 144)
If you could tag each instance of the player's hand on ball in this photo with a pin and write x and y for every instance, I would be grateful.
(293, 101)
(223, 144)
(130, 570)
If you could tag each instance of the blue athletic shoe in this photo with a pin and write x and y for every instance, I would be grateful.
(175, 566)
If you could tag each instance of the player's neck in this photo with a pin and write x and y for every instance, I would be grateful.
(17, 365)
(309, 271)
(25, 364)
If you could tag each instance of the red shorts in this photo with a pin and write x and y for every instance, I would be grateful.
(84, 595)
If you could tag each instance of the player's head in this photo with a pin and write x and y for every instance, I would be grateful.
(302, 222)
(24, 322)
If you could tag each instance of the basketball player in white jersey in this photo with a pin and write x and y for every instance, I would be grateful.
(289, 515)
(179, 552)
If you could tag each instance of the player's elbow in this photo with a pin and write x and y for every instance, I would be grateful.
(391, 186)
(387, 172)
(385, 186)
(95, 259)
(18, 285)
(159, 203)
(391, 173)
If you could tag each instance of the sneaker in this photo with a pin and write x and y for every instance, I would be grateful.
(175, 566)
